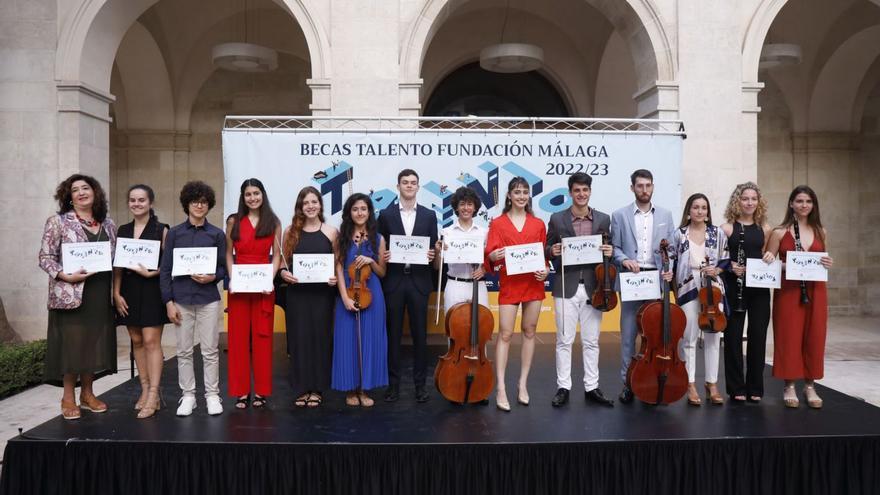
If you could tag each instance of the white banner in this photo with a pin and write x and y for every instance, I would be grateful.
(288, 161)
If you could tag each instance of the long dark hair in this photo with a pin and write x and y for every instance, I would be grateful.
(65, 198)
(813, 219)
(346, 230)
(685, 218)
(514, 182)
(150, 195)
(268, 220)
(291, 237)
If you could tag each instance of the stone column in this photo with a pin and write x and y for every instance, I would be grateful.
(28, 156)
(711, 101)
(365, 46)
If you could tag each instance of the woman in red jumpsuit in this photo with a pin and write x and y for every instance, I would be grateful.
(799, 328)
(252, 237)
(516, 225)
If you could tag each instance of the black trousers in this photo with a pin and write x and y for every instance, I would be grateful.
(407, 297)
(757, 303)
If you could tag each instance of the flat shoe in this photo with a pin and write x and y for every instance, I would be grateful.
(365, 400)
(69, 410)
(352, 400)
(92, 404)
(314, 400)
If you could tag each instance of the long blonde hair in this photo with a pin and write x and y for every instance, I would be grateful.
(734, 211)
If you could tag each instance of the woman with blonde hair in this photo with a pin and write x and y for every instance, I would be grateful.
(747, 231)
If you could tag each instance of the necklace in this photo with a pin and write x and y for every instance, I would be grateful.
(88, 223)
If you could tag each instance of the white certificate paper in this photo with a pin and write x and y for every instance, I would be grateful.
(464, 248)
(524, 258)
(312, 268)
(251, 278)
(89, 256)
(640, 286)
(194, 261)
(133, 252)
(762, 275)
(805, 265)
(581, 250)
(412, 249)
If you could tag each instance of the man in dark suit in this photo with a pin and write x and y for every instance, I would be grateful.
(580, 280)
(407, 287)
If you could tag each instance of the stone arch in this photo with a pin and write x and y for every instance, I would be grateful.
(834, 96)
(89, 39)
(639, 22)
(756, 32)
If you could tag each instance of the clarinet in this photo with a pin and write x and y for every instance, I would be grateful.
(805, 299)
(740, 280)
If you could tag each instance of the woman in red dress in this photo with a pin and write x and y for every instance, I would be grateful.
(799, 329)
(516, 225)
(252, 237)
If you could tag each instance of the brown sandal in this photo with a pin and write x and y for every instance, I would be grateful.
(92, 403)
(712, 395)
(69, 410)
(352, 400)
(365, 400)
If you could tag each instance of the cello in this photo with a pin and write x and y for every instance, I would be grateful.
(604, 298)
(657, 375)
(712, 318)
(464, 374)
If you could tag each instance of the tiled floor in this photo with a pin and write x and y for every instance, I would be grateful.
(852, 365)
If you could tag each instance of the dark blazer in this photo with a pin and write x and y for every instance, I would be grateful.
(560, 226)
(426, 225)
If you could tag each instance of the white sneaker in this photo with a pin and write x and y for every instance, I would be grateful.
(214, 406)
(187, 404)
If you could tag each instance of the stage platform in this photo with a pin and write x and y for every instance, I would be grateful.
(438, 447)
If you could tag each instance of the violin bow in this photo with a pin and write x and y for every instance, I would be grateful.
(439, 281)
(562, 264)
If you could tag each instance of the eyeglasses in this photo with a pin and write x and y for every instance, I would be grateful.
(199, 202)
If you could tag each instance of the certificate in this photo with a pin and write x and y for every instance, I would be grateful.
(194, 261)
(762, 275)
(89, 256)
(640, 286)
(412, 249)
(251, 278)
(581, 250)
(805, 265)
(133, 252)
(524, 258)
(464, 248)
(312, 268)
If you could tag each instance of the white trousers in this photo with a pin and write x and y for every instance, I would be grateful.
(459, 292)
(577, 310)
(687, 347)
(199, 321)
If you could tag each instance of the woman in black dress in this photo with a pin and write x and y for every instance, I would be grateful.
(139, 302)
(746, 228)
(81, 337)
(309, 307)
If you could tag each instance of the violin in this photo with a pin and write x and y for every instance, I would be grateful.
(657, 375)
(604, 298)
(712, 318)
(357, 278)
(465, 374)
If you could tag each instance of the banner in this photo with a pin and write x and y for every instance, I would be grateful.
(338, 162)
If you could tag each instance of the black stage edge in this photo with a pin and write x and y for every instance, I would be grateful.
(410, 448)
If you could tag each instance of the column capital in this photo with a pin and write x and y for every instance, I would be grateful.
(659, 101)
(79, 97)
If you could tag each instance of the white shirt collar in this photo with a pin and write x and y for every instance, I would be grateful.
(636, 209)
(457, 225)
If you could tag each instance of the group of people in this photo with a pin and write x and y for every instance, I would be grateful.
(335, 342)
